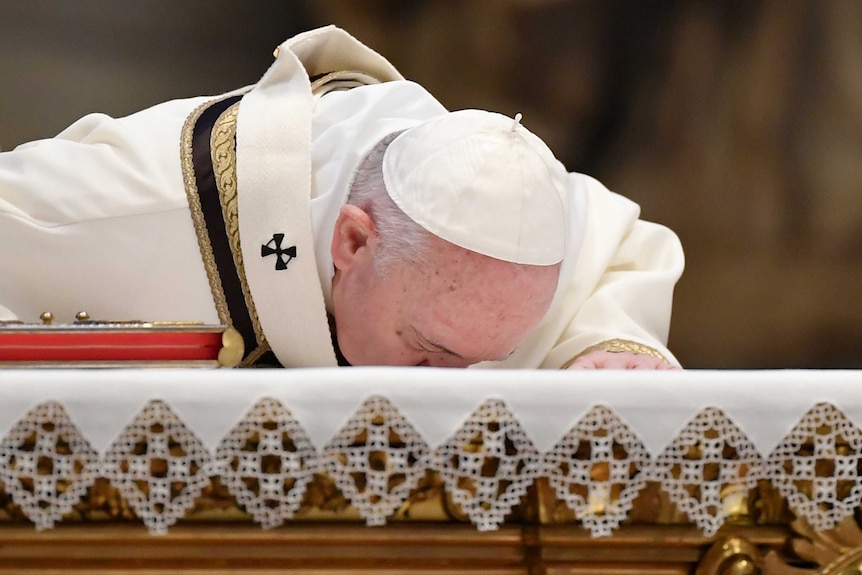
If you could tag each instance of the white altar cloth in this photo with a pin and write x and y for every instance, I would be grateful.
(765, 404)
(532, 422)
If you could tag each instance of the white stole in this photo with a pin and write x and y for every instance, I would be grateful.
(274, 181)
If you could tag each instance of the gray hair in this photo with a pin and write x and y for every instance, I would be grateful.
(401, 239)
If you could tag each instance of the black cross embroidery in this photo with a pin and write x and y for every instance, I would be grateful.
(267, 249)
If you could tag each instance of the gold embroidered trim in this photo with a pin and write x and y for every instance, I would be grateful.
(224, 167)
(618, 346)
(188, 168)
(341, 80)
(223, 154)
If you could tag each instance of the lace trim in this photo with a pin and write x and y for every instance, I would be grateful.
(379, 463)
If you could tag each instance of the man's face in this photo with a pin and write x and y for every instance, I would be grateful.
(457, 309)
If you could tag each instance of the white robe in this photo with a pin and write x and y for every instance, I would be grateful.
(98, 218)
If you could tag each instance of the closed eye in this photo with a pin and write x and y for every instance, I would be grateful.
(431, 348)
(424, 344)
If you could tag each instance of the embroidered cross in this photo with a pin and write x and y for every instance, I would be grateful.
(273, 246)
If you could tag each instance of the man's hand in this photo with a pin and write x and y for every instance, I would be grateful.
(619, 360)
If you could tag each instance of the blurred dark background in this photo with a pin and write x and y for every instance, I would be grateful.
(738, 123)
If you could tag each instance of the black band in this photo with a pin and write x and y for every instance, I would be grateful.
(211, 208)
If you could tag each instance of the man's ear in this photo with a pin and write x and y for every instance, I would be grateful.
(354, 228)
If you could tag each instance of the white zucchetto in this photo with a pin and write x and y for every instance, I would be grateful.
(482, 181)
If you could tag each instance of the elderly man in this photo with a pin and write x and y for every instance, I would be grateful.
(335, 213)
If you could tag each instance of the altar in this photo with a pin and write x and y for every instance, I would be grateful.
(423, 470)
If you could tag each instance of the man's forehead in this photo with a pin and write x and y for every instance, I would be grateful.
(447, 261)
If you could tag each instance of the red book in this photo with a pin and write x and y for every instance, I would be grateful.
(89, 343)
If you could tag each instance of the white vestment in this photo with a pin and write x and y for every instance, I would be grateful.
(105, 217)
